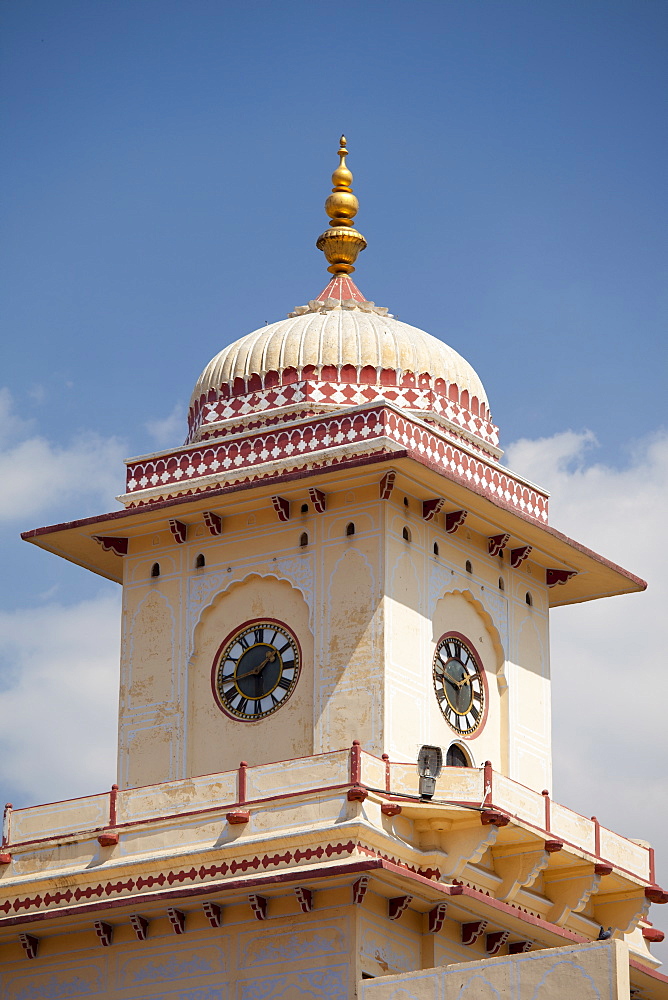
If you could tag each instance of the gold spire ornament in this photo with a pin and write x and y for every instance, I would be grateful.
(341, 243)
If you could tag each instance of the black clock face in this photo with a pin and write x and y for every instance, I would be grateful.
(257, 670)
(459, 685)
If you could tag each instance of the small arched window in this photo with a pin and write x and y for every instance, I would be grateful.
(303, 539)
(502, 585)
(405, 501)
(469, 567)
(350, 529)
(406, 535)
(455, 757)
(304, 508)
(528, 598)
(155, 569)
(435, 548)
(200, 561)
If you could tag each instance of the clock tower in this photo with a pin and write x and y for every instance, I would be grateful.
(333, 577)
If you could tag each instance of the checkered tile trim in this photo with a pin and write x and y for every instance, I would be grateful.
(312, 438)
(422, 398)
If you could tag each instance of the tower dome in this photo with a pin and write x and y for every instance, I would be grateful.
(340, 349)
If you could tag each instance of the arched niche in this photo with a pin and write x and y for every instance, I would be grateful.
(216, 742)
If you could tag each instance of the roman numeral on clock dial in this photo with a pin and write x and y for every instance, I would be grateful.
(257, 670)
(458, 684)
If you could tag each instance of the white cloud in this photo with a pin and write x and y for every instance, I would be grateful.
(58, 709)
(609, 656)
(169, 432)
(38, 475)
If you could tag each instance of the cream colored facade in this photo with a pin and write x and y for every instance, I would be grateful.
(368, 609)
(332, 485)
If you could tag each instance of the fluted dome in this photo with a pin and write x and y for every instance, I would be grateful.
(353, 334)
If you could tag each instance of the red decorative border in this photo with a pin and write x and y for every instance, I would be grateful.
(343, 387)
(467, 642)
(362, 425)
(230, 636)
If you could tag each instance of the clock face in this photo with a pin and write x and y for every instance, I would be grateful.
(257, 670)
(459, 684)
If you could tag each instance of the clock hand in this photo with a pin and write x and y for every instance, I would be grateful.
(269, 658)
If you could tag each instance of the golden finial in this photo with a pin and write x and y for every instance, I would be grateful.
(341, 243)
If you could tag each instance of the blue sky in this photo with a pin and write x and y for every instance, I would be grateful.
(162, 177)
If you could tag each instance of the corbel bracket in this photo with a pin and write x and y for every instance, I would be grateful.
(119, 546)
(430, 508)
(318, 499)
(282, 508)
(558, 577)
(179, 530)
(497, 543)
(454, 519)
(519, 555)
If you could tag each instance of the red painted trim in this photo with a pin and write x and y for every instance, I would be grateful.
(652, 973)
(390, 809)
(208, 888)
(548, 818)
(597, 836)
(113, 794)
(227, 639)
(488, 783)
(237, 817)
(119, 546)
(388, 775)
(107, 839)
(355, 763)
(653, 935)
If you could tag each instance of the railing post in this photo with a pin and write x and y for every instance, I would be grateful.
(548, 818)
(597, 836)
(112, 805)
(355, 763)
(388, 781)
(241, 789)
(6, 824)
(487, 779)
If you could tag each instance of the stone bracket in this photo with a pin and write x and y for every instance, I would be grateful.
(179, 530)
(282, 508)
(305, 898)
(140, 926)
(518, 869)
(318, 499)
(569, 890)
(437, 918)
(386, 485)
(430, 508)
(397, 905)
(119, 546)
(497, 543)
(213, 913)
(454, 519)
(30, 945)
(214, 522)
(519, 555)
(177, 919)
(472, 930)
(558, 577)
(105, 932)
(360, 889)
(258, 905)
(495, 941)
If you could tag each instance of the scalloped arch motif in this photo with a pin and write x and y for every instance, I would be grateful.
(205, 592)
(488, 621)
(492, 606)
